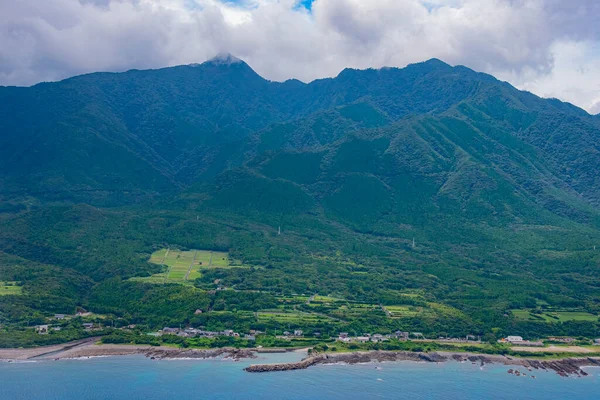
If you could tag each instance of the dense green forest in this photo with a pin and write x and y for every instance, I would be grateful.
(431, 198)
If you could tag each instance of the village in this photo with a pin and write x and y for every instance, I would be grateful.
(93, 323)
(194, 332)
(344, 337)
(402, 336)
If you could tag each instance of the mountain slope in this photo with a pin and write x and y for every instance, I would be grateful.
(432, 187)
(174, 126)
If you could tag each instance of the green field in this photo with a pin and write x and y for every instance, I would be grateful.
(554, 316)
(10, 288)
(404, 311)
(184, 266)
(326, 299)
(292, 317)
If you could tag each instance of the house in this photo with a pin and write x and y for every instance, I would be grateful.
(377, 338)
(251, 338)
(83, 313)
(417, 334)
(596, 342)
(362, 339)
(514, 339)
(298, 332)
(198, 312)
(88, 325)
(343, 335)
(170, 330)
(402, 335)
(286, 333)
(41, 329)
(59, 316)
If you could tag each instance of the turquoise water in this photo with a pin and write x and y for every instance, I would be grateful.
(137, 377)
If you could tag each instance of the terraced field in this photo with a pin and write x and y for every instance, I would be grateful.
(554, 316)
(404, 311)
(291, 317)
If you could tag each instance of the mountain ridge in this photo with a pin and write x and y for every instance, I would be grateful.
(433, 187)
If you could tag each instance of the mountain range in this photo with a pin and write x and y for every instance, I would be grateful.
(429, 177)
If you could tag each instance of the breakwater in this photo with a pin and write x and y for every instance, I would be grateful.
(307, 362)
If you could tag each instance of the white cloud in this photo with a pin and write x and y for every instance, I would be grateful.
(547, 46)
(574, 76)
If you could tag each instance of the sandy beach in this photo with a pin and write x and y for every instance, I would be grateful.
(92, 348)
(30, 353)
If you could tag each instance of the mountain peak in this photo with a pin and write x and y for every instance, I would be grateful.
(436, 62)
(225, 58)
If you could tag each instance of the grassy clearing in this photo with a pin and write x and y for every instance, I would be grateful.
(554, 316)
(10, 289)
(185, 266)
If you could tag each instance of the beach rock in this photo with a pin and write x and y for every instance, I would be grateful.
(234, 354)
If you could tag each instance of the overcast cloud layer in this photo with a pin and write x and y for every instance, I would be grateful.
(550, 47)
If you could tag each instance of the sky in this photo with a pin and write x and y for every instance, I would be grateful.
(549, 47)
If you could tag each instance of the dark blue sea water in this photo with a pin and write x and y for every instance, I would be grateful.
(137, 377)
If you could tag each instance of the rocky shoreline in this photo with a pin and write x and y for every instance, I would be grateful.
(89, 348)
(564, 367)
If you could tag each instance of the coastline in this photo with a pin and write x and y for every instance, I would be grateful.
(565, 367)
(88, 348)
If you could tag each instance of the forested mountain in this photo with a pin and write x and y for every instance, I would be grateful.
(431, 179)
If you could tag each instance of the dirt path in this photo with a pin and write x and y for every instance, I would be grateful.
(168, 270)
(386, 311)
(187, 275)
(165, 256)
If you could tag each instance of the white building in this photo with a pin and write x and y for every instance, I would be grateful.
(514, 339)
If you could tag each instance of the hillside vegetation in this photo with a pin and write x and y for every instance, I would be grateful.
(431, 198)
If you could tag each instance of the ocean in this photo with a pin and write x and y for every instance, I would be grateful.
(136, 377)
